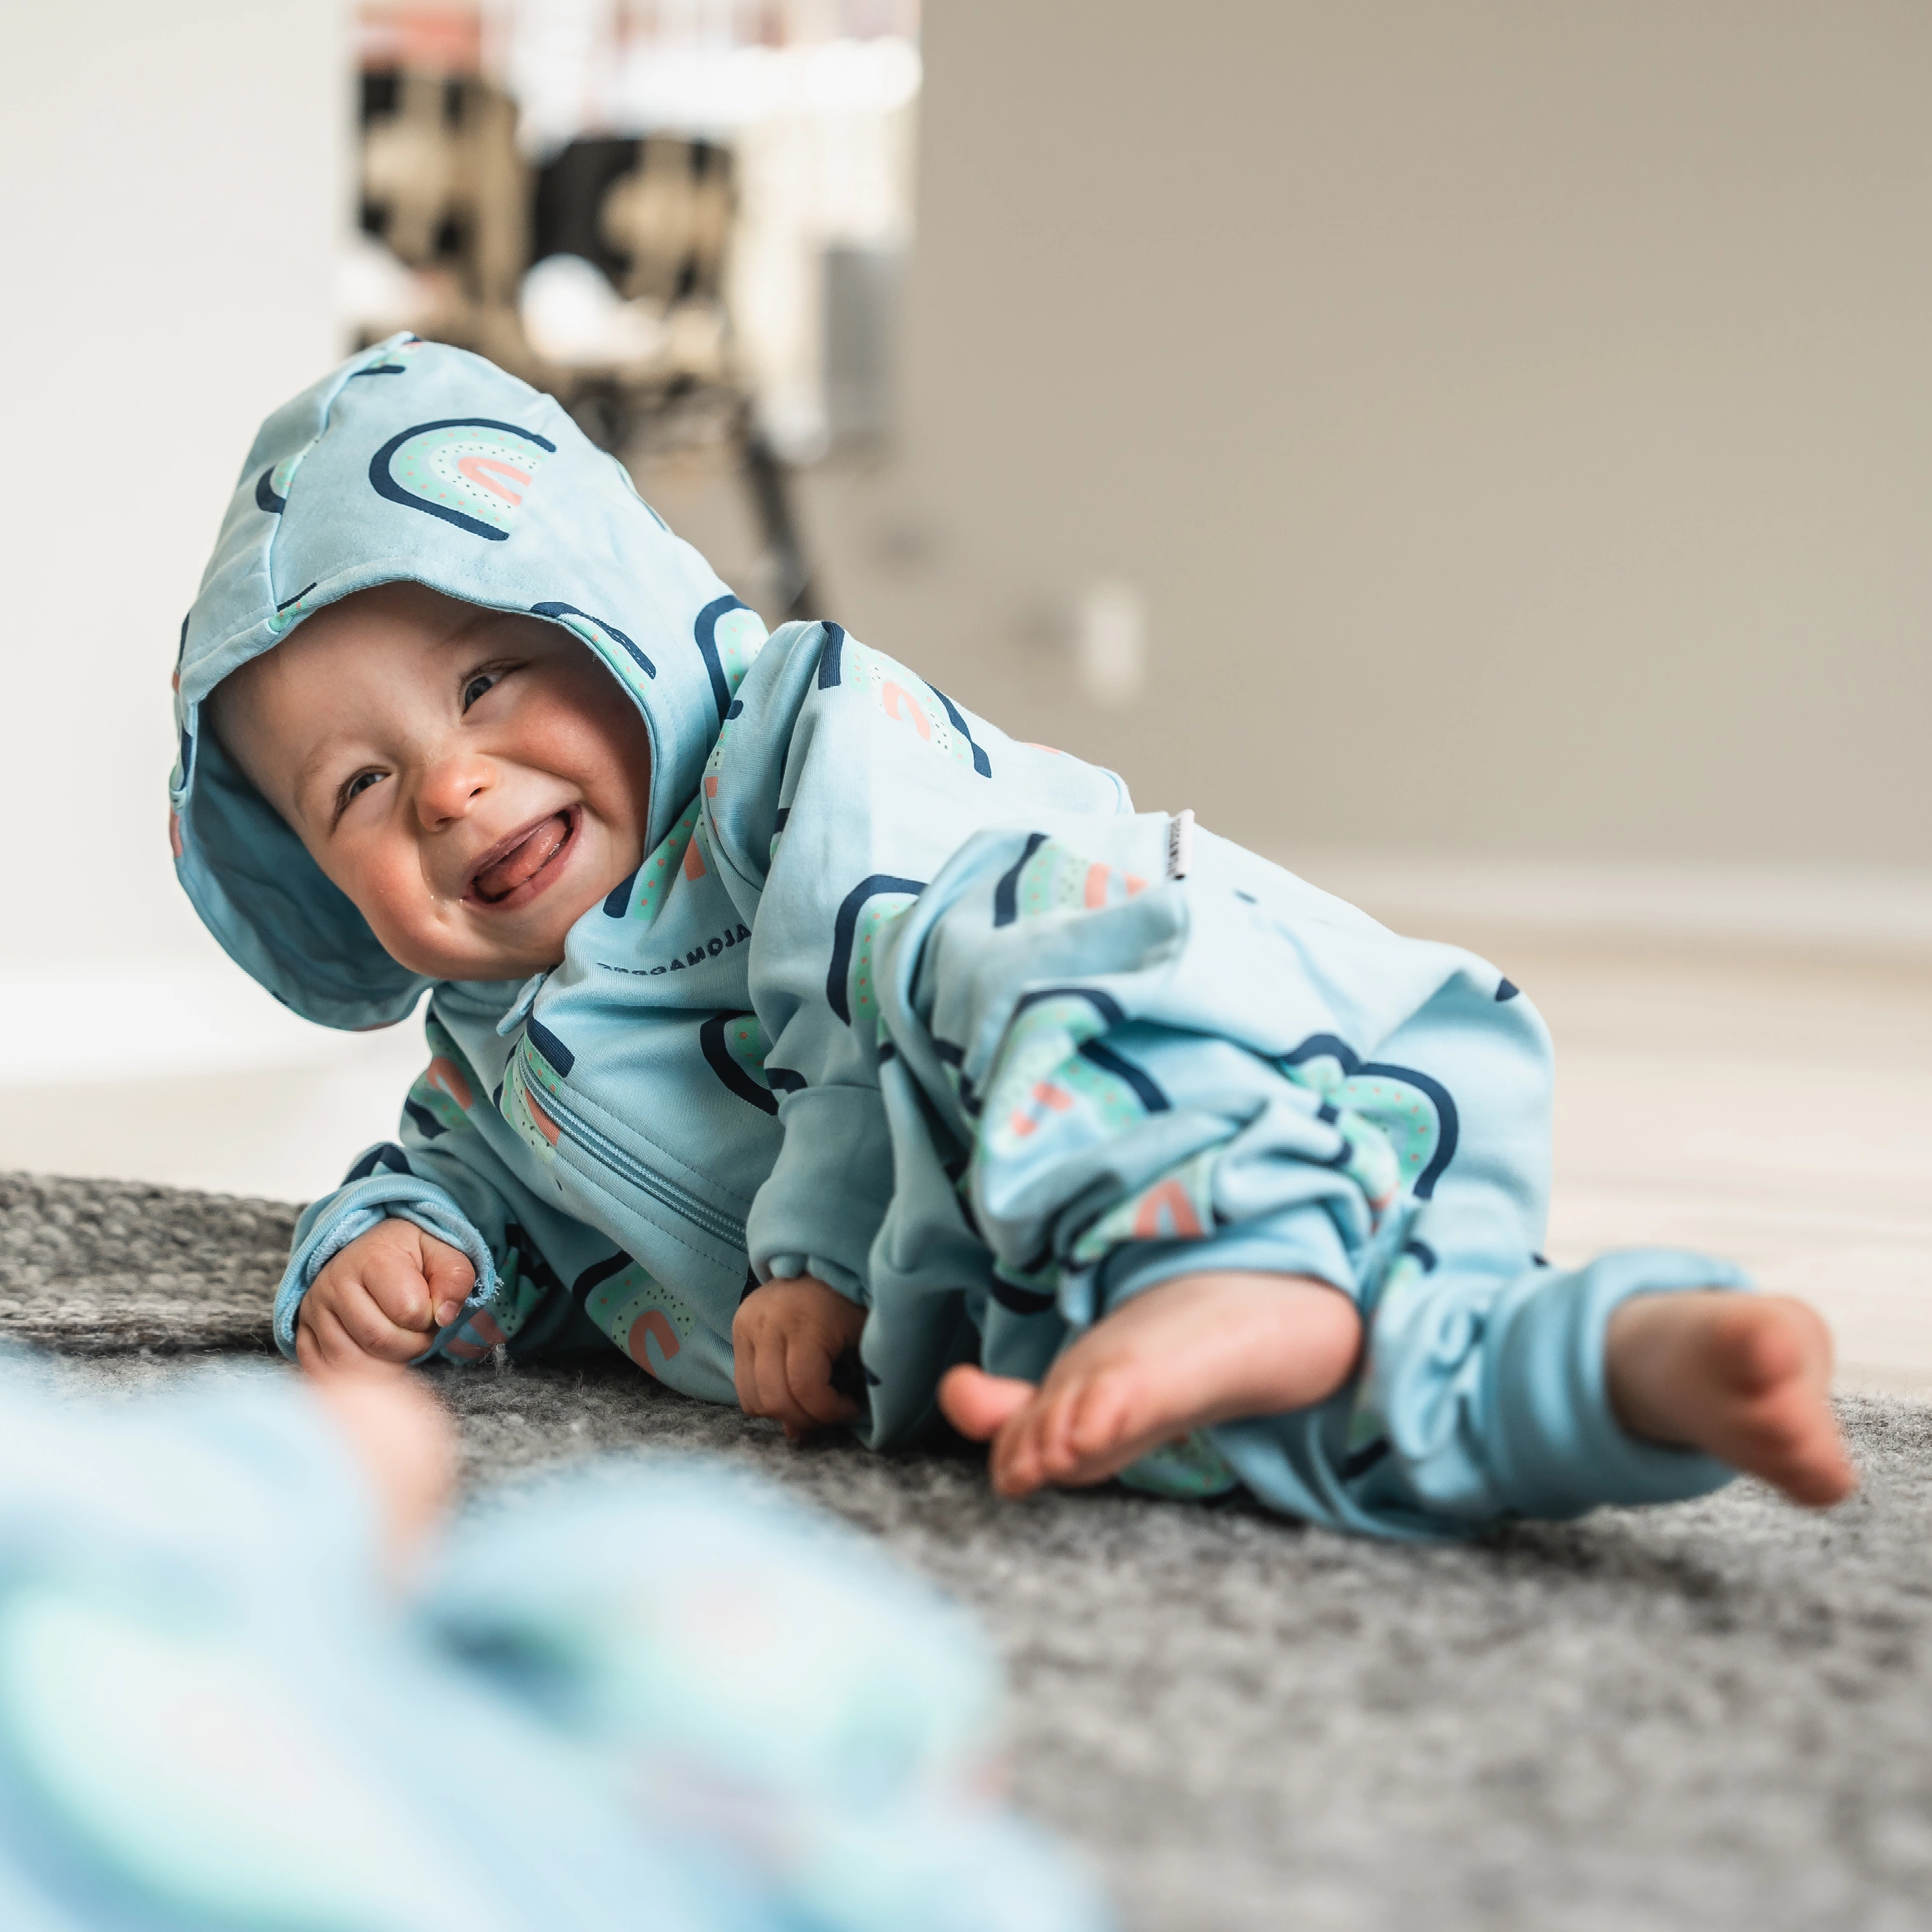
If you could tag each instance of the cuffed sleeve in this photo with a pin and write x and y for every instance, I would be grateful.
(329, 1226)
(817, 1212)
(442, 1174)
(1495, 1400)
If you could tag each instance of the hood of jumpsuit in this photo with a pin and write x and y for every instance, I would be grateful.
(416, 462)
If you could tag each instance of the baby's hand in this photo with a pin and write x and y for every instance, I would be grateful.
(785, 1339)
(382, 1297)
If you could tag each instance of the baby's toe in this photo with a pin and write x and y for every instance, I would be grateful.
(1018, 1463)
(1100, 1421)
(1766, 1344)
(1800, 1450)
(1817, 1480)
(1063, 1430)
(978, 1404)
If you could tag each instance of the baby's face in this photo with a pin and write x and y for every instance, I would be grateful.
(474, 780)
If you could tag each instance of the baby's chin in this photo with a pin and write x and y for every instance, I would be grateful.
(499, 946)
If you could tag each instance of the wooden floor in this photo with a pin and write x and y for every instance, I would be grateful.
(1771, 1108)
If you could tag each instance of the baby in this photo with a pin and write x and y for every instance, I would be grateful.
(823, 1049)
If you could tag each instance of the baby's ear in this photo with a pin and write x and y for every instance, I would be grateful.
(217, 716)
(231, 718)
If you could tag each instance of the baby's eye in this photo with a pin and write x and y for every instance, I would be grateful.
(350, 791)
(477, 686)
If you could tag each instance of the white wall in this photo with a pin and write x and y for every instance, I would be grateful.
(174, 186)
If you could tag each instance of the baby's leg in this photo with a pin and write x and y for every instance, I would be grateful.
(1198, 1349)
(1746, 1378)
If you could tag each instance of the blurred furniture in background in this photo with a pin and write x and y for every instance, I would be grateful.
(444, 188)
(598, 277)
(653, 371)
(686, 223)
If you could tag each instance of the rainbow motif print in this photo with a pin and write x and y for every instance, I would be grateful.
(473, 473)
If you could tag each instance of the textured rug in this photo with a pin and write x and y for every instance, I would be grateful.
(111, 1267)
(1714, 1716)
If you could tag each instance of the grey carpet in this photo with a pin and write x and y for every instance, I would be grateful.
(103, 1267)
(1713, 1716)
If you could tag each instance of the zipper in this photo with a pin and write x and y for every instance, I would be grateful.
(666, 1193)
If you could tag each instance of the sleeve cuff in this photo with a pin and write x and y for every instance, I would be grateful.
(819, 1208)
(351, 1215)
(1557, 1447)
(790, 1267)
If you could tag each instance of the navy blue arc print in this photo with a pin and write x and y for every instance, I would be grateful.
(596, 1274)
(1018, 1300)
(387, 1158)
(265, 498)
(1147, 1089)
(610, 630)
(1104, 1004)
(717, 1057)
(617, 901)
(1326, 1046)
(844, 933)
(547, 1044)
(831, 656)
(1006, 892)
(386, 485)
(981, 763)
(704, 634)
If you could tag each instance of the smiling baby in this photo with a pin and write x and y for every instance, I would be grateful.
(797, 1034)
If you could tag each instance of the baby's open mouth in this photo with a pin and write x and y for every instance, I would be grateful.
(532, 852)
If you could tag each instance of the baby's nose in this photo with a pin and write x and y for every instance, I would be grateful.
(451, 786)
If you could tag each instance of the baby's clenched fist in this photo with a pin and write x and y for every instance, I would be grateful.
(382, 1298)
(786, 1337)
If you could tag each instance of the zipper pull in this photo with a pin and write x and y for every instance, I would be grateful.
(519, 1007)
(1180, 845)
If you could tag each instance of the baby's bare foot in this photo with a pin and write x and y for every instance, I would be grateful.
(1199, 1349)
(1744, 1378)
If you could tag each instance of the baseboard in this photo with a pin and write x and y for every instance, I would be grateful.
(1869, 911)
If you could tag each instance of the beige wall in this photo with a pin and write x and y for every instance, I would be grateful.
(1518, 416)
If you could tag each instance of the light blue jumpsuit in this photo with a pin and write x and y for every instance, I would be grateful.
(901, 1002)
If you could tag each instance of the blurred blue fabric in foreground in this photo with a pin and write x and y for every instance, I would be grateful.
(646, 1693)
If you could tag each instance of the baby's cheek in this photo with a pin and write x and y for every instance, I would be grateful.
(598, 738)
(414, 927)
(402, 910)
(619, 851)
